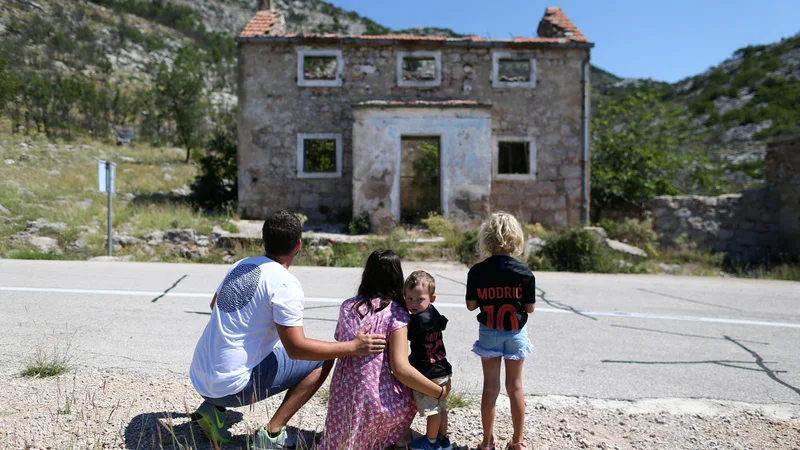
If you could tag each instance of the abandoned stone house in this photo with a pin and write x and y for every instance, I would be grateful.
(399, 126)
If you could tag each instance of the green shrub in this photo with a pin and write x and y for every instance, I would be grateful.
(438, 225)
(360, 224)
(539, 263)
(533, 230)
(468, 247)
(577, 250)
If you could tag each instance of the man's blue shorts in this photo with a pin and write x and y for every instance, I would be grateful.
(275, 374)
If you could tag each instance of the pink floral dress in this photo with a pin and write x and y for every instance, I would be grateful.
(369, 409)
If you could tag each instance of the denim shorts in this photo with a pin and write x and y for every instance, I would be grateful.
(273, 375)
(491, 343)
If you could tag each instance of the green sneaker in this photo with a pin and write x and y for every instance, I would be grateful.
(263, 441)
(211, 422)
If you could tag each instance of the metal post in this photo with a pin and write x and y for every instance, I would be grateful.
(108, 189)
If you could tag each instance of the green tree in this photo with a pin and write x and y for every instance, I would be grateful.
(89, 107)
(10, 89)
(66, 93)
(38, 98)
(179, 91)
(215, 186)
(641, 149)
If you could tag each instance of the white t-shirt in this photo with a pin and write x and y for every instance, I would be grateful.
(257, 293)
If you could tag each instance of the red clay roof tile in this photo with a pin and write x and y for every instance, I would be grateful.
(259, 25)
(556, 24)
(555, 27)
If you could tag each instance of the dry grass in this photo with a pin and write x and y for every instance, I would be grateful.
(50, 360)
(457, 400)
(57, 181)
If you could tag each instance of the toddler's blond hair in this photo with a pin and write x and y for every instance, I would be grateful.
(501, 234)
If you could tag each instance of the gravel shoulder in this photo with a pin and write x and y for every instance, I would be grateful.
(88, 408)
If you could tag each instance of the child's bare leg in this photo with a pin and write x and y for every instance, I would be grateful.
(491, 389)
(434, 422)
(517, 397)
(443, 422)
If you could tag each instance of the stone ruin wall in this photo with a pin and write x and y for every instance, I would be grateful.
(755, 225)
(273, 109)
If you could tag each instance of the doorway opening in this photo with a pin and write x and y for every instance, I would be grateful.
(419, 178)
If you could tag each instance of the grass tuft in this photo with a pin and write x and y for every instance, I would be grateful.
(45, 363)
(457, 400)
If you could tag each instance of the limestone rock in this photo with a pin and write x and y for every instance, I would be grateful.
(79, 244)
(125, 241)
(598, 231)
(34, 226)
(216, 233)
(111, 258)
(183, 191)
(42, 244)
(193, 252)
(154, 237)
(534, 245)
(179, 236)
(622, 247)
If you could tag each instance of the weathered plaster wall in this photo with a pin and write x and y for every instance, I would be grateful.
(465, 137)
(273, 109)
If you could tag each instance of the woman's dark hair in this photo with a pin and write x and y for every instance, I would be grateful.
(383, 279)
(280, 233)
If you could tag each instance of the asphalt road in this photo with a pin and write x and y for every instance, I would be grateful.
(599, 336)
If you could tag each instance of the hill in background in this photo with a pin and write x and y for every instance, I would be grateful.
(119, 44)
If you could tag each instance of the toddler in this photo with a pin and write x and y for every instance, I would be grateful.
(428, 356)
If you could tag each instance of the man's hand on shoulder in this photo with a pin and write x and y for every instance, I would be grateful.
(366, 344)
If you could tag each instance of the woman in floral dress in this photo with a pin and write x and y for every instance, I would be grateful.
(371, 405)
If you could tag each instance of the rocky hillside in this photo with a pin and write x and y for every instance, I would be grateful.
(751, 97)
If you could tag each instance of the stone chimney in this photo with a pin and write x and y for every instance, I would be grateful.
(266, 5)
(555, 24)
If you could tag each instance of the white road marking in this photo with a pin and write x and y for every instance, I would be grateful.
(621, 314)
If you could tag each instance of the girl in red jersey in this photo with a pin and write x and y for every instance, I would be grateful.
(504, 290)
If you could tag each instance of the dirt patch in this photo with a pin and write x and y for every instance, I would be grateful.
(109, 409)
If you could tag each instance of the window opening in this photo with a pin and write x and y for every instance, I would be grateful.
(419, 68)
(319, 155)
(513, 158)
(514, 70)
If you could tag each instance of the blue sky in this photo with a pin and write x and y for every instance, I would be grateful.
(664, 40)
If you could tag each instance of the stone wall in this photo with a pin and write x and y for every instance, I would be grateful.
(756, 225)
(741, 225)
(273, 109)
(783, 173)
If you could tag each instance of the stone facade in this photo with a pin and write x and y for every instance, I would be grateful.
(370, 109)
(756, 225)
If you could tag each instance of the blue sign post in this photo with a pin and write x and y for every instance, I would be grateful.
(106, 173)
